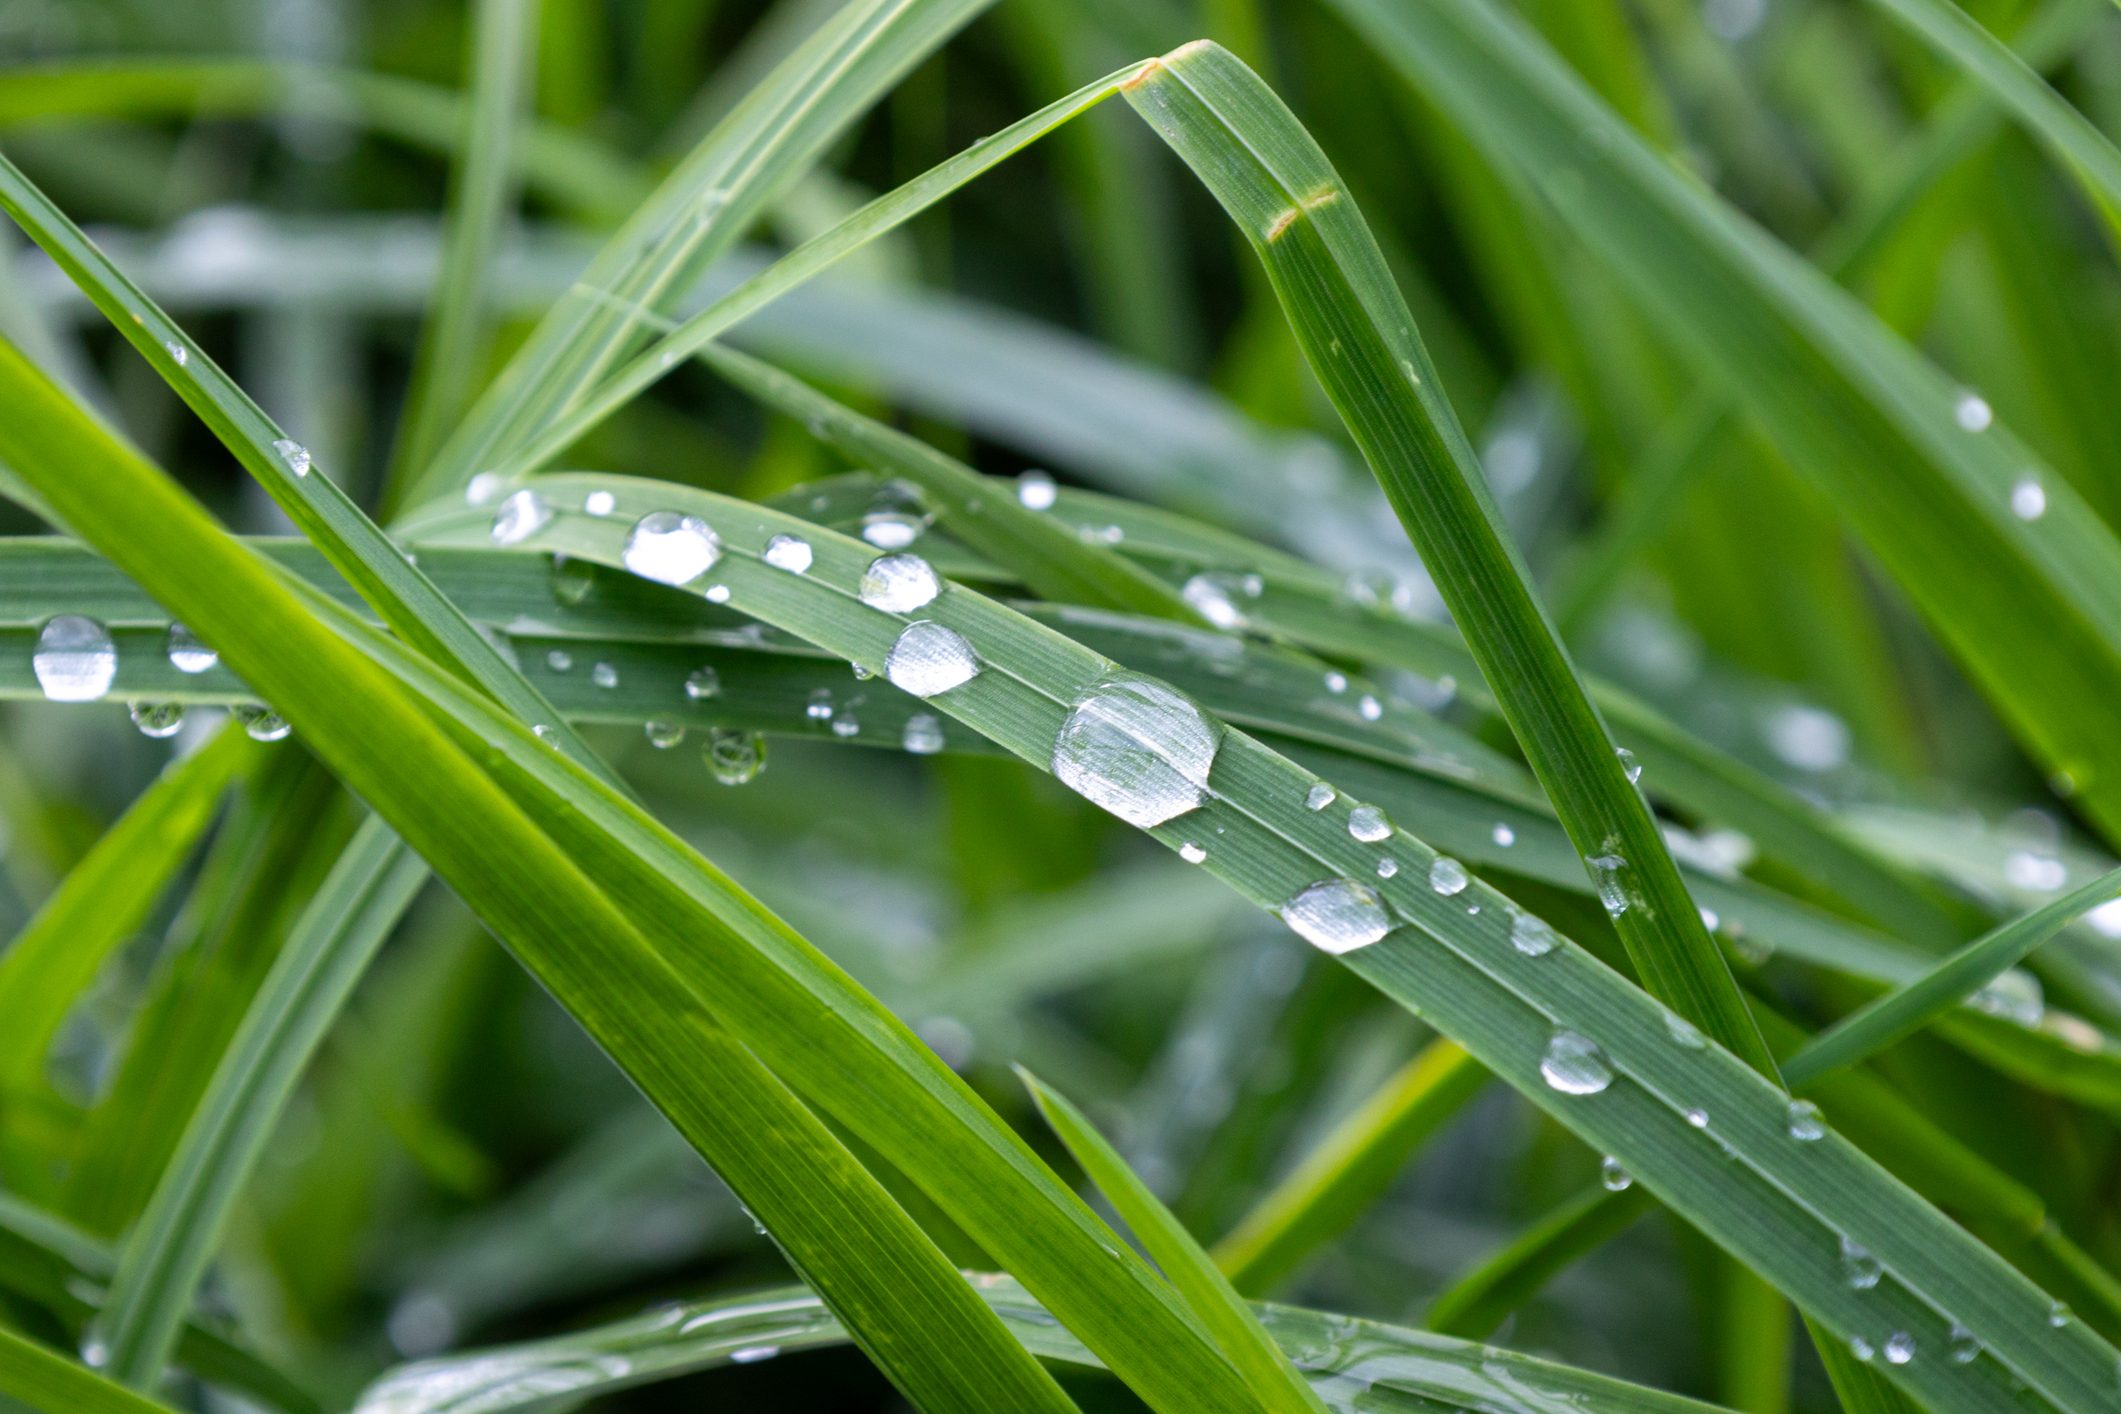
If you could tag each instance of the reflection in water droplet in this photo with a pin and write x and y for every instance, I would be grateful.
(294, 454)
(788, 552)
(929, 658)
(1858, 1265)
(1447, 876)
(263, 724)
(899, 584)
(158, 719)
(1336, 916)
(187, 654)
(703, 683)
(735, 757)
(1368, 824)
(1698, 1117)
(1613, 1177)
(1805, 1122)
(1136, 748)
(519, 517)
(671, 548)
(923, 735)
(1532, 936)
(1629, 766)
(75, 660)
(1574, 1065)
(663, 733)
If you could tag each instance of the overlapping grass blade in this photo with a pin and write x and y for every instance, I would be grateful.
(46, 1380)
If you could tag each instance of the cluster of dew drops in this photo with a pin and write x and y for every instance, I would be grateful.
(75, 660)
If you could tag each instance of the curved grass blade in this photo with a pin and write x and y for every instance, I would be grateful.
(1207, 1292)
(102, 901)
(46, 1380)
(1359, 338)
(847, 1237)
(1908, 1007)
(1353, 1364)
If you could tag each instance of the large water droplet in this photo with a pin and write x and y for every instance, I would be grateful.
(1574, 1065)
(735, 757)
(521, 516)
(1899, 1348)
(1447, 876)
(899, 584)
(923, 735)
(263, 724)
(1532, 936)
(1368, 824)
(929, 658)
(1337, 916)
(1137, 749)
(788, 552)
(671, 548)
(1858, 1265)
(158, 719)
(187, 654)
(1805, 1122)
(75, 660)
(1612, 1177)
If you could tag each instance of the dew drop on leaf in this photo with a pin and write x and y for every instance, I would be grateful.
(899, 584)
(788, 552)
(1336, 916)
(1858, 1265)
(1138, 749)
(1532, 935)
(1612, 1177)
(186, 653)
(158, 719)
(75, 660)
(929, 658)
(1368, 824)
(671, 548)
(1805, 1122)
(1574, 1065)
(1447, 876)
(263, 724)
(923, 735)
(521, 516)
(734, 757)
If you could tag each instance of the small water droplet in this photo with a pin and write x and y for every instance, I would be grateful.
(1134, 747)
(820, 705)
(1861, 1349)
(929, 658)
(1613, 1177)
(1191, 852)
(1685, 1034)
(177, 351)
(1531, 935)
(1574, 1065)
(158, 719)
(521, 516)
(1899, 1348)
(788, 552)
(1369, 708)
(703, 683)
(600, 503)
(1608, 872)
(1709, 920)
(1963, 1347)
(2059, 1315)
(483, 488)
(1336, 683)
(891, 530)
(1503, 836)
(1858, 1265)
(1368, 824)
(75, 660)
(560, 660)
(572, 581)
(1973, 412)
(1698, 1117)
(1319, 796)
(1387, 867)
(263, 724)
(923, 735)
(294, 454)
(1210, 598)
(1628, 764)
(1805, 1122)
(663, 733)
(2034, 872)
(2028, 498)
(547, 733)
(1336, 916)
(1447, 876)
(735, 757)
(751, 1354)
(1035, 491)
(604, 675)
(186, 653)
(671, 548)
(899, 584)
(845, 725)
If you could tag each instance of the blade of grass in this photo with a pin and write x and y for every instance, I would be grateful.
(1477, 1302)
(44, 1379)
(1206, 1291)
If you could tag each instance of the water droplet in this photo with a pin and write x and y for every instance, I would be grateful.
(1503, 836)
(1685, 1034)
(2014, 995)
(158, 719)
(1447, 876)
(891, 530)
(663, 733)
(560, 660)
(930, 658)
(788, 552)
(2028, 498)
(2059, 1315)
(2035, 873)
(1805, 1122)
(177, 351)
(1191, 852)
(1607, 872)
(604, 675)
(187, 654)
(899, 584)
(294, 454)
(483, 488)
(600, 503)
(923, 735)
(1212, 601)
(263, 724)
(547, 733)
(1319, 796)
(1035, 491)
(1709, 920)
(1628, 764)
(1532, 936)
(1387, 867)
(1963, 1347)
(1368, 824)
(1337, 916)
(1574, 1065)
(1698, 1117)
(820, 707)
(1899, 1348)
(1336, 683)
(845, 725)
(717, 593)
(1369, 708)
(1858, 1265)
(751, 1354)
(75, 661)
(1861, 1349)
(572, 581)
(703, 683)
(1136, 748)
(1613, 1177)
(1973, 412)
(735, 757)
(671, 548)
(519, 517)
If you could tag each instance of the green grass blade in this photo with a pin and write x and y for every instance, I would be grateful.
(1359, 339)
(1912, 1005)
(1349, 1169)
(1207, 1292)
(848, 1238)
(453, 343)
(103, 900)
(1478, 1301)
(45, 1380)
(176, 1236)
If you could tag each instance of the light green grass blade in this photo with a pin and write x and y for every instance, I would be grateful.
(103, 900)
(176, 1236)
(1359, 339)
(1982, 538)
(45, 1380)
(1352, 1364)
(1207, 1292)
(1478, 1301)
(453, 342)
(1908, 1007)
(1739, 1174)
(848, 1238)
